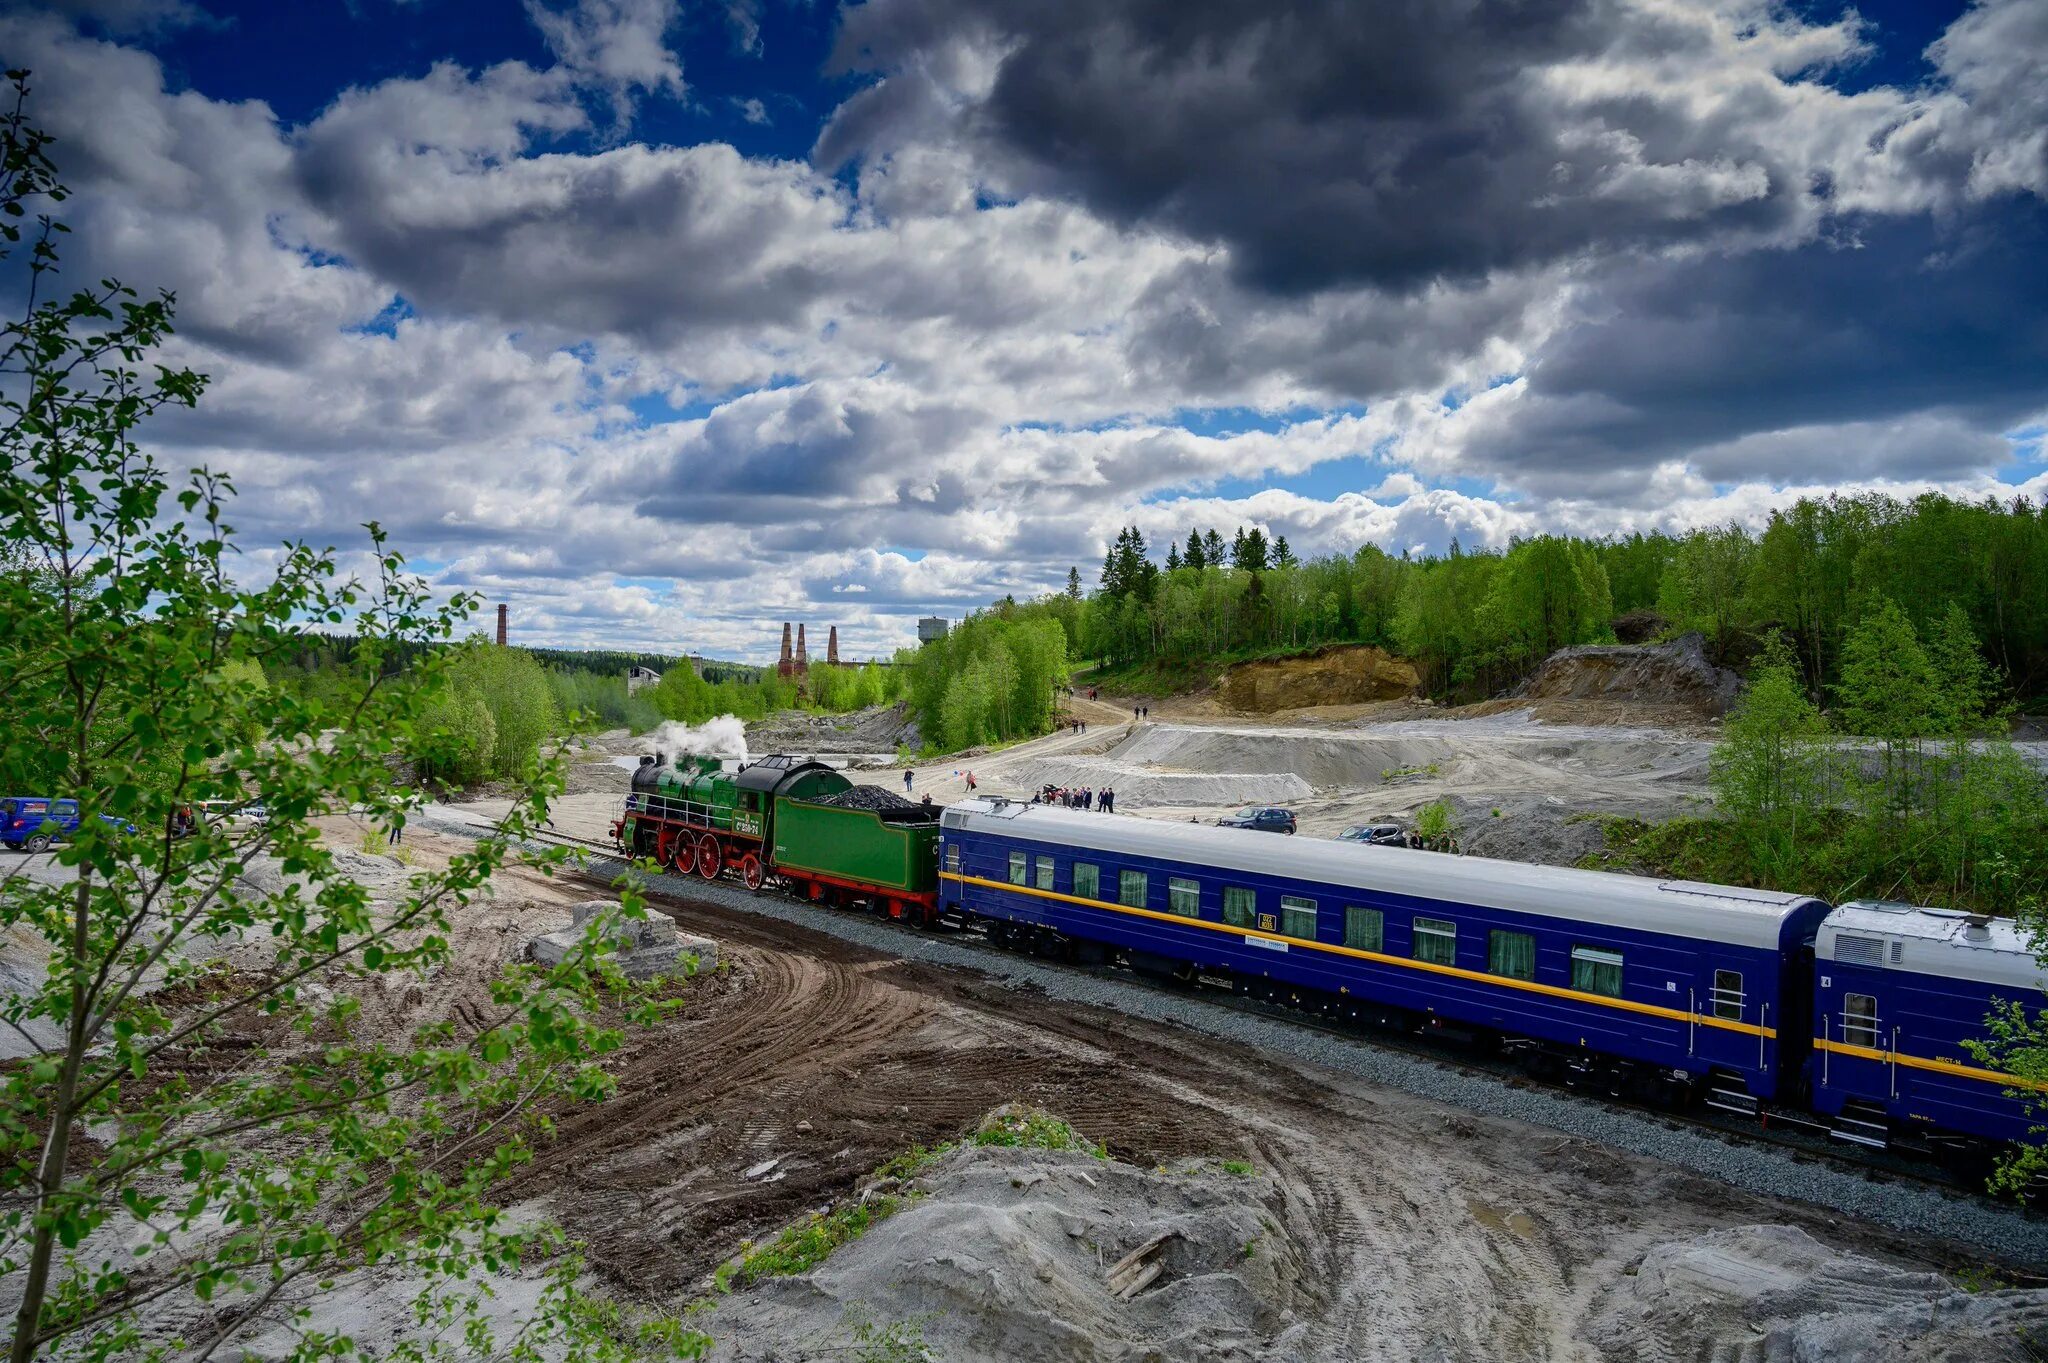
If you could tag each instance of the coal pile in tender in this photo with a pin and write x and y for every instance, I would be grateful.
(886, 803)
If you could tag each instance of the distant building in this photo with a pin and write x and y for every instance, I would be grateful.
(639, 678)
(930, 628)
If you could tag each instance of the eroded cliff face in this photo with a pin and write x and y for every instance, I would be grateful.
(1678, 673)
(1343, 674)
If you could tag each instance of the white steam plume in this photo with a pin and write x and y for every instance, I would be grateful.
(725, 736)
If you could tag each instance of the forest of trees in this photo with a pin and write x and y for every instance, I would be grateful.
(1911, 791)
(994, 678)
(1477, 621)
(684, 695)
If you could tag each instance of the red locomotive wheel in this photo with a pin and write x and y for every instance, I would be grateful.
(710, 859)
(751, 874)
(682, 856)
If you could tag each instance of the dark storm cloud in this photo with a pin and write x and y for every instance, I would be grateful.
(1894, 317)
(1327, 142)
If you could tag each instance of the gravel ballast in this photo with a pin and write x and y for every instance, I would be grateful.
(2003, 1232)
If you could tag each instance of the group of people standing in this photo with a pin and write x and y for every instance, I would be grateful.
(1078, 797)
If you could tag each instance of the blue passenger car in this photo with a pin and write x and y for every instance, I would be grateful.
(1690, 979)
(1897, 990)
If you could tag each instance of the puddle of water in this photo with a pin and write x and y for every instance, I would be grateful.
(1517, 1223)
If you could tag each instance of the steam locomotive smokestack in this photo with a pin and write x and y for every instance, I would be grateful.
(503, 610)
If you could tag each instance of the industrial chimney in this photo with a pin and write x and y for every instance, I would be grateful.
(503, 609)
(832, 646)
(785, 664)
(803, 656)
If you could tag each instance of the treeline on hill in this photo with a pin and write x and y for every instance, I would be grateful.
(683, 695)
(1478, 621)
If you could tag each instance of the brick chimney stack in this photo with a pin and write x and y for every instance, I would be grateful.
(785, 664)
(832, 647)
(803, 655)
(503, 610)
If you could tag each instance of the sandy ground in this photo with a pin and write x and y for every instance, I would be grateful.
(1521, 788)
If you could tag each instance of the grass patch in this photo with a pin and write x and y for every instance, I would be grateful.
(1402, 773)
(1241, 1167)
(1031, 1130)
(915, 1160)
(801, 1248)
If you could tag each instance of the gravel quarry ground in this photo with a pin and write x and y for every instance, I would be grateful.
(1410, 1211)
(1377, 1205)
(1401, 1217)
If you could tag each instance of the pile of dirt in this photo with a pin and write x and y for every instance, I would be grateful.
(1139, 782)
(1007, 1253)
(1774, 1292)
(1341, 674)
(1674, 674)
(876, 731)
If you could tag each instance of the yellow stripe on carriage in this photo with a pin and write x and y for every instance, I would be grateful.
(1954, 1068)
(1408, 963)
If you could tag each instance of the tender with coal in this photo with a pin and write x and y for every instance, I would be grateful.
(886, 804)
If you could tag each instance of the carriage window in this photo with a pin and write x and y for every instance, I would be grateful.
(1240, 906)
(1087, 882)
(953, 857)
(1512, 954)
(1184, 897)
(1017, 868)
(1045, 865)
(1859, 1019)
(1727, 996)
(1364, 929)
(1130, 888)
(1298, 917)
(1436, 940)
(1595, 971)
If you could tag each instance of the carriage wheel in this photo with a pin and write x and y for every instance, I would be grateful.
(682, 857)
(710, 860)
(751, 874)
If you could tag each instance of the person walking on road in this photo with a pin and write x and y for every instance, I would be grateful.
(970, 783)
(906, 780)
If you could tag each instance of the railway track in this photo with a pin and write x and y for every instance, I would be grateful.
(1878, 1166)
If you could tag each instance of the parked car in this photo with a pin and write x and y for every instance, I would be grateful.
(1266, 820)
(32, 823)
(1376, 834)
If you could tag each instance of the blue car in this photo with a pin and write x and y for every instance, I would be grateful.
(31, 823)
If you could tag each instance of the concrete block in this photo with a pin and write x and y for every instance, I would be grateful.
(646, 949)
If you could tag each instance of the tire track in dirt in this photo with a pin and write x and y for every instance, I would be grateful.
(869, 1054)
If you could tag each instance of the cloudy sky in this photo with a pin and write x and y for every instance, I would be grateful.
(669, 320)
